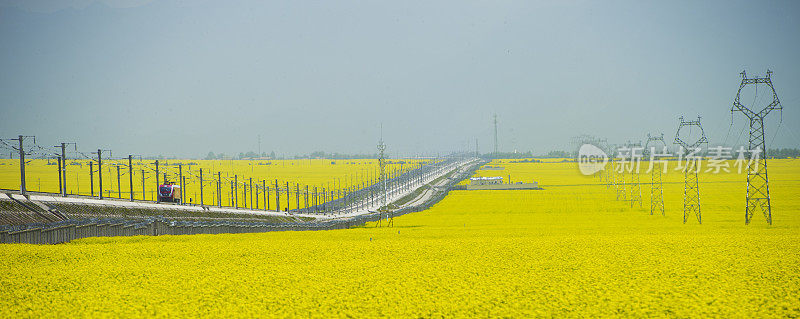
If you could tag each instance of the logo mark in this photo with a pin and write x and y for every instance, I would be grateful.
(591, 159)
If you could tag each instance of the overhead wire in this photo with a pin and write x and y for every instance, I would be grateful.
(727, 135)
(780, 123)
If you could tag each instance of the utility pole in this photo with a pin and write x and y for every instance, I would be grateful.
(91, 178)
(277, 197)
(22, 187)
(201, 188)
(60, 184)
(219, 189)
(130, 173)
(63, 171)
(143, 193)
(180, 183)
(100, 171)
(156, 178)
(236, 191)
(251, 190)
(691, 185)
(324, 200)
(184, 191)
(757, 196)
(119, 186)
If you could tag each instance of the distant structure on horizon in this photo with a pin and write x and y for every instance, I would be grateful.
(495, 133)
(496, 183)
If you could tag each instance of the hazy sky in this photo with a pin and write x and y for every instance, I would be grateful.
(186, 77)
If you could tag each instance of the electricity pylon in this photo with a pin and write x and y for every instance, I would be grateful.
(604, 173)
(612, 158)
(636, 189)
(382, 177)
(757, 181)
(610, 174)
(691, 187)
(617, 173)
(656, 167)
(622, 191)
(583, 139)
(614, 176)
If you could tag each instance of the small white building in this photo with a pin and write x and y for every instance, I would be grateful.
(494, 180)
(493, 168)
(496, 183)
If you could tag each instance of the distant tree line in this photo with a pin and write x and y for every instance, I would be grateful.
(529, 154)
(321, 154)
(241, 155)
(773, 153)
(558, 154)
(784, 153)
(271, 155)
(507, 155)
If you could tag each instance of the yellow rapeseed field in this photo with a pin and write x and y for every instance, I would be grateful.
(570, 250)
(42, 176)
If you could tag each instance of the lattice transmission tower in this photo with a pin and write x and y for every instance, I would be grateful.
(612, 162)
(757, 182)
(656, 170)
(621, 185)
(610, 171)
(635, 185)
(603, 174)
(618, 174)
(382, 181)
(691, 187)
(583, 139)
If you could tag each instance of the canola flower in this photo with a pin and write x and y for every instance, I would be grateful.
(566, 251)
